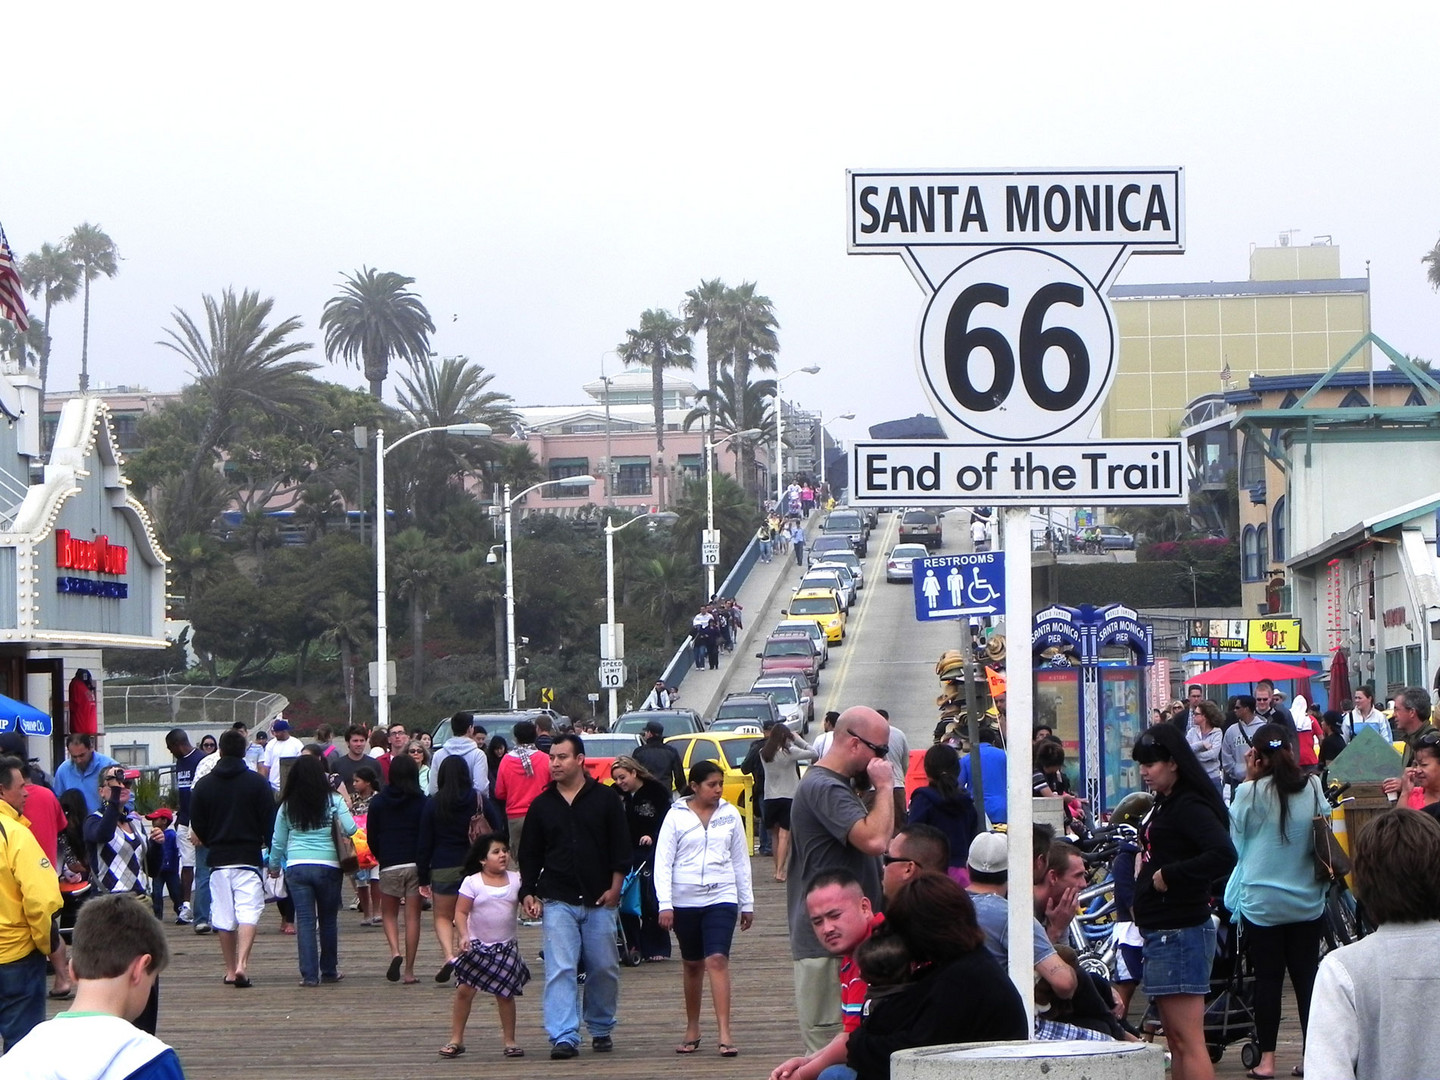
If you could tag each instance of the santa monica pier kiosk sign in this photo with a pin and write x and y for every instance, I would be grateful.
(1017, 345)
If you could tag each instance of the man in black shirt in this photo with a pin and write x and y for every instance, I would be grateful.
(660, 758)
(574, 854)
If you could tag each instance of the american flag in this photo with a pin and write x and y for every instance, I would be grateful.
(12, 290)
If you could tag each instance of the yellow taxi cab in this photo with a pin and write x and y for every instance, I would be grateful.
(728, 750)
(820, 606)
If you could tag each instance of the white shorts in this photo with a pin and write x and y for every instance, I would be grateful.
(186, 839)
(237, 895)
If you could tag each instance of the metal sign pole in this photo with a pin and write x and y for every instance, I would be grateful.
(1019, 712)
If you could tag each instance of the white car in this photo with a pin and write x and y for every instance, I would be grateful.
(849, 559)
(809, 628)
(898, 567)
(840, 570)
(826, 579)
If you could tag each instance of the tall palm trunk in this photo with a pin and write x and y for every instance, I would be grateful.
(84, 342)
(417, 642)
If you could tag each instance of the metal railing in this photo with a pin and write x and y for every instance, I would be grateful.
(178, 705)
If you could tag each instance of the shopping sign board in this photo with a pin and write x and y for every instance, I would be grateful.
(1017, 345)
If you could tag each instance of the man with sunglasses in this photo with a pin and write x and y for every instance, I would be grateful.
(1235, 743)
(832, 830)
(1412, 724)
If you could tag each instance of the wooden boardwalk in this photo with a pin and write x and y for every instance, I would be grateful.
(367, 1026)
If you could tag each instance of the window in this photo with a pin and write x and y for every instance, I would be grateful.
(1394, 672)
(1262, 552)
(1413, 671)
(1278, 530)
(560, 468)
(632, 476)
(1252, 463)
(1249, 555)
(133, 756)
(692, 466)
(1355, 400)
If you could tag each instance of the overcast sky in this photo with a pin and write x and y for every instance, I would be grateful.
(547, 172)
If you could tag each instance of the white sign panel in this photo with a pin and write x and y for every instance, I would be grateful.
(710, 547)
(1106, 472)
(612, 674)
(891, 210)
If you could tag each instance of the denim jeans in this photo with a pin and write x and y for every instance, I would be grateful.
(316, 892)
(570, 932)
(200, 894)
(22, 997)
(837, 1072)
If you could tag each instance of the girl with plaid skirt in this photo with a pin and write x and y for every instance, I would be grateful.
(489, 956)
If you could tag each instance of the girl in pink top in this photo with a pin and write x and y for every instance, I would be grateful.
(489, 956)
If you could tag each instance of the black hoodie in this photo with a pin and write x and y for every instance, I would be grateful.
(232, 812)
(393, 826)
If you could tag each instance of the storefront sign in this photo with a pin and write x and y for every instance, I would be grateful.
(1245, 635)
(99, 554)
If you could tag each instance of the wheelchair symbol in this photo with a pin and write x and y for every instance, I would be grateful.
(978, 591)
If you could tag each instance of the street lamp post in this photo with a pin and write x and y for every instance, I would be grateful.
(710, 448)
(511, 697)
(382, 658)
(609, 646)
(780, 433)
(842, 416)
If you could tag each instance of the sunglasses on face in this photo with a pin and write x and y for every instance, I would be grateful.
(879, 751)
(887, 859)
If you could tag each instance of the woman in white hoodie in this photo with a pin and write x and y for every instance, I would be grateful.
(702, 880)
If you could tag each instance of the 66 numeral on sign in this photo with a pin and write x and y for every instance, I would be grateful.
(1017, 345)
(962, 339)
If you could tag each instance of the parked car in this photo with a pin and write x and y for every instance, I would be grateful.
(728, 749)
(840, 570)
(791, 654)
(676, 721)
(602, 750)
(809, 629)
(1112, 538)
(921, 527)
(850, 560)
(756, 707)
(792, 696)
(495, 722)
(822, 547)
(899, 566)
(850, 524)
(821, 606)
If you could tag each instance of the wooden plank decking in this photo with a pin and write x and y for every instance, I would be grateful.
(366, 1026)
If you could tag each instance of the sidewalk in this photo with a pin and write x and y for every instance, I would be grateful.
(703, 690)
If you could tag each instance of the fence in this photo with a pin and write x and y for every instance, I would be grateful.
(175, 705)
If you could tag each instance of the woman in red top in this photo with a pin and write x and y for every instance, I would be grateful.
(83, 720)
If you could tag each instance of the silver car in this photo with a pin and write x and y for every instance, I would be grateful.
(841, 571)
(898, 567)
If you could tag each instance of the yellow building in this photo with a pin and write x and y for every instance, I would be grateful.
(1178, 342)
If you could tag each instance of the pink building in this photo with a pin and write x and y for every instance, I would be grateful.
(618, 426)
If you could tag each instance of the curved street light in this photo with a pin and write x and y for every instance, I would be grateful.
(608, 641)
(382, 658)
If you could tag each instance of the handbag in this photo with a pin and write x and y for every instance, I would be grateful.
(1331, 862)
(344, 846)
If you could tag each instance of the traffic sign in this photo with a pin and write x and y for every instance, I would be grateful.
(1103, 472)
(959, 586)
(1017, 345)
(612, 674)
(710, 547)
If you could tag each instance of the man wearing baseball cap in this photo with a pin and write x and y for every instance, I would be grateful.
(989, 865)
(660, 758)
(282, 746)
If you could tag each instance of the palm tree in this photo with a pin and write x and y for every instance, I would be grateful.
(376, 317)
(52, 273)
(660, 343)
(668, 582)
(720, 403)
(750, 327)
(95, 254)
(704, 309)
(25, 348)
(240, 363)
(350, 622)
(1431, 259)
(454, 393)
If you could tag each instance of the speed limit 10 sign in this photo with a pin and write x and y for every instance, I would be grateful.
(1017, 345)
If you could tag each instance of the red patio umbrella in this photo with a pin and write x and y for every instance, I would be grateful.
(1251, 670)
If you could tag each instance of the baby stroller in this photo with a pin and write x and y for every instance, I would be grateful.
(1230, 1004)
(627, 926)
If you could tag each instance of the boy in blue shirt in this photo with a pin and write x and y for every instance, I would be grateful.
(168, 875)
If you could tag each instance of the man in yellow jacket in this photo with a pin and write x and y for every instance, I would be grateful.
(29, 899)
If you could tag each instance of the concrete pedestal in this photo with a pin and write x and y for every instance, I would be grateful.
(1031, 1061)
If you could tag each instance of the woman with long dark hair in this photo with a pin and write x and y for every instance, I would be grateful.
(444, 845)
(393, 829)
(1185, 854)
(943, 803)
(304, 846)
(780, 757)
(702, 877)
(1273, 888)
(949, 963)
(647, 801)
